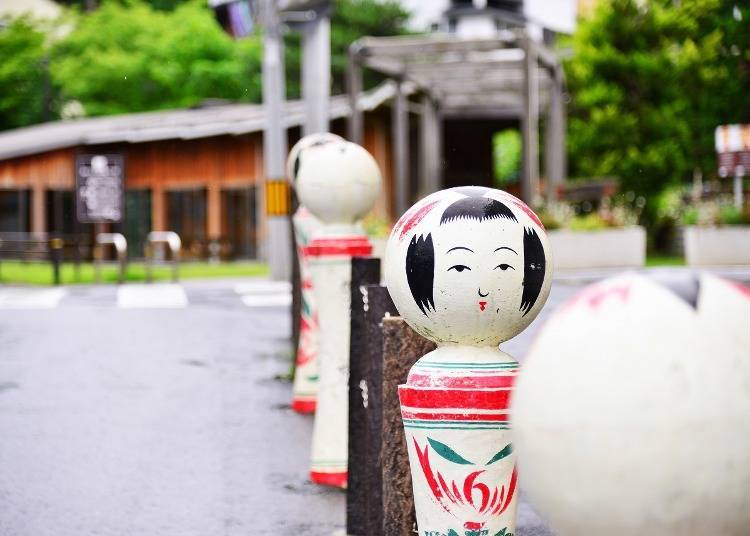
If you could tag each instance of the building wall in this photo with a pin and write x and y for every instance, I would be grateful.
(213, 165)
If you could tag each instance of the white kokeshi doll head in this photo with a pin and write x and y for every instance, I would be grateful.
(309, 141)
(468, 265)
(338, 181)
(631, 414)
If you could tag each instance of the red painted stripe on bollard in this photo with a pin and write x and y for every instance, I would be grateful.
(499, 417)
(329, 479)
(454, 398)
(458, 382)
(304, 406)
(353, 246)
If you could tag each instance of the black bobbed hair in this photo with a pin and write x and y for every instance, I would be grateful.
(534, 267)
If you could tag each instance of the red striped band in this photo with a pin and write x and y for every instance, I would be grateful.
(461, 382)
(337, 479)
(468, 399)
(304, 406)
(500, 417)
(350, 246)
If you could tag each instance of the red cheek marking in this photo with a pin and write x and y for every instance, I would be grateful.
(482, 305)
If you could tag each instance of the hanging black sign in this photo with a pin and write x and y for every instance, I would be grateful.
(99, 188)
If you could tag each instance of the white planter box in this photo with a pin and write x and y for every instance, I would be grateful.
(617, 248)
(712, 246)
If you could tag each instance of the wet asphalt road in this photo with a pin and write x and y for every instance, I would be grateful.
(168, 417)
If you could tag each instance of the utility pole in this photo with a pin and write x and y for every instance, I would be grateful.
(275, 145)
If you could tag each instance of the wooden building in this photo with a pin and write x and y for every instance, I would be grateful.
(198, 172)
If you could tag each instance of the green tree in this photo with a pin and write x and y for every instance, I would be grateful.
(24, 88)
(650, 81)
(132, 58)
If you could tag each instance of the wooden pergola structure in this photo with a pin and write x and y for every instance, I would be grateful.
(508, 77)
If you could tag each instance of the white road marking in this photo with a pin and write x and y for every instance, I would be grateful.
(152, 296)
(265, 293)
(263, 286)
(30, 298)
(267, 300)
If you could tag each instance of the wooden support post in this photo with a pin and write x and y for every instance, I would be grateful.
(554, 145)
(430, 140)
(38, 209)
(402, 347)
(356, 131)
(530, 125)
(379, 306)
(400, 122)
(365, 271)
(316, 72)
(158, 209)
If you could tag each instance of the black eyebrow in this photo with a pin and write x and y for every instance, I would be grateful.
(459, 247)
(506, 247)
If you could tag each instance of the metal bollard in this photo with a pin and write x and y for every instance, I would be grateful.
(467, 268)
(305, 387)
(55, 252)
(172, 240)
(121, 249)
(338, 182)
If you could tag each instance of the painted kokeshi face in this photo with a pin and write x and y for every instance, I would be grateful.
(308, 142)
(468, 265)
(631, 413)
(338, 181)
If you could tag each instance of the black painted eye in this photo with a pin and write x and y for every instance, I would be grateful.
(459, 268)
(504, 267)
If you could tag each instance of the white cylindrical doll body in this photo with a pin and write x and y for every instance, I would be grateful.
(468, 268)
(338, 182)
(305, 387)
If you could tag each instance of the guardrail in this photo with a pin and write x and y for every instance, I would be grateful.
(172, 240)
(121, 248)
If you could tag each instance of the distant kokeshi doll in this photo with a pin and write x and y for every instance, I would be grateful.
(338, 182)
(305, 389)
(468, 268)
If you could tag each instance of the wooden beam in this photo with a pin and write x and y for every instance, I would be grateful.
(554, 146)
(431, 44)
(400, 124)
(355, 126)
(530, 126)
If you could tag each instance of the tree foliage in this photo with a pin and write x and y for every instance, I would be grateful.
(137, 55)
(650, 81)
(23, 85)
(126, 58)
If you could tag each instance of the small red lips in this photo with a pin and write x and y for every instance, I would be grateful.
(482, 305)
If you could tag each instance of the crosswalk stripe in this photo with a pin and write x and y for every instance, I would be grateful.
(152, 296)
(263, 287)
(267, 300)
(30, 298)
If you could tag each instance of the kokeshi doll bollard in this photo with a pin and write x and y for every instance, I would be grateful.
(468, 268)
(339, 183)
(632, 412)
(305, 387)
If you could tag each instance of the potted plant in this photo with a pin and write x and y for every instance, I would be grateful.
(606, 238)
(716, 233)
